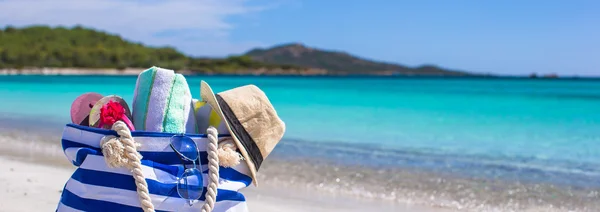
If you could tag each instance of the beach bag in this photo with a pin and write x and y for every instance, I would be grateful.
(96, 186)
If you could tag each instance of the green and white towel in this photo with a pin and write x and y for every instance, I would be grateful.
(162, 102)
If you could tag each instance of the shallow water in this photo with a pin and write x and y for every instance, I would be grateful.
(518, 133)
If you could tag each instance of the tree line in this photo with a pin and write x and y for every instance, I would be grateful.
(79, 47)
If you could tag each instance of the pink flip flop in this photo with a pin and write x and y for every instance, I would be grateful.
(108, 110)
(81, 107)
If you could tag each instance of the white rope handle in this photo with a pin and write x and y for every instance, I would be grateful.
(213, 169)
(122, 152)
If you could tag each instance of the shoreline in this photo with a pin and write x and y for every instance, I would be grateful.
(35, 169)
(27, 182)
(388, 188)
(264, 73)
(250, 72)
(71, 71)
(136, 71)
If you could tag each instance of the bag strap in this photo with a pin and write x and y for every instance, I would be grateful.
(213, 169)
(122, 152)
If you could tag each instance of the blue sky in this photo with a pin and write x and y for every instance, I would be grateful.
(503, 37)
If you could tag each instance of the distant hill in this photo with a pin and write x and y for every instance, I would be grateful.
(79, 47)
(339, 62)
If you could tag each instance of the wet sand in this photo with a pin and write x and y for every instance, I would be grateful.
(309, 184)
(28, 186)
(416, 187)
(34, 171)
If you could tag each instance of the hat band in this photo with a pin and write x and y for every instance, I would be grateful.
(241, 133)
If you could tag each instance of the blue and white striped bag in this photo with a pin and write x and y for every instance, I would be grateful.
(96, 187)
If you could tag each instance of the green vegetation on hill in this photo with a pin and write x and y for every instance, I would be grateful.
(41, 46)
(79, 47)
(340, 62)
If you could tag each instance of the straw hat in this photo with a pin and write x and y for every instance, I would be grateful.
(251, 120)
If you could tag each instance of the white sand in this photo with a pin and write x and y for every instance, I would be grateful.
(29, 186)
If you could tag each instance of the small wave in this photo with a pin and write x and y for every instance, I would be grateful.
(572, 173)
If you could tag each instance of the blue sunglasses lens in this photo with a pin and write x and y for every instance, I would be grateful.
(190, 184)
(185, 146)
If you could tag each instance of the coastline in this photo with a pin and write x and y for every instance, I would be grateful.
(27, 182)
(71, 71)
(265, 72)
(339, 186)
(137, 71)
(35, 170)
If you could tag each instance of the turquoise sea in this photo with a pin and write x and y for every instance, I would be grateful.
(541, 130)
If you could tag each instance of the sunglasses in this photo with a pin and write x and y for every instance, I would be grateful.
(190, 183)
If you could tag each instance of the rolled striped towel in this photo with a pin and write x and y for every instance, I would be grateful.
(94, 186)
(162, 102)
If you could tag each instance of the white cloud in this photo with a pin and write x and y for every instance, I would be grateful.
(195, 26)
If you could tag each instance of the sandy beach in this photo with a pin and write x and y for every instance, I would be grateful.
(297, 177)
(34, 170)
(135, 71)
(33, 174)
(71, 71)
(30, 186)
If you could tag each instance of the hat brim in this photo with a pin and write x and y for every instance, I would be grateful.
(207, 95)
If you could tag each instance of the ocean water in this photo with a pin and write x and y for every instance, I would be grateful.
(528, 130)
